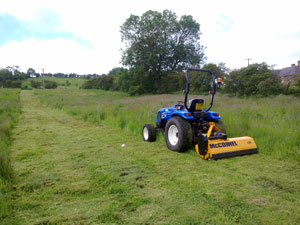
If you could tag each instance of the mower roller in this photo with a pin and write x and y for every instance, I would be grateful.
(188, 123)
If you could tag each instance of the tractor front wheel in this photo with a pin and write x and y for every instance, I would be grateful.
(178, 134)
(149, 133)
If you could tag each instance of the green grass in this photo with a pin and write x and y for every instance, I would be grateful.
(9, 113)
(274, 123)
(71, 169)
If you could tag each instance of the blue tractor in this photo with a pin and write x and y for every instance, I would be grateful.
(188, 123)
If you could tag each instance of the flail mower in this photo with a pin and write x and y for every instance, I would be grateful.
(188, 123)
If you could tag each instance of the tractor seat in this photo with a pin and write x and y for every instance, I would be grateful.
(196, 104)
(196, 107)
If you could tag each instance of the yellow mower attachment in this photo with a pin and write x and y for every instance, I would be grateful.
(215, 145)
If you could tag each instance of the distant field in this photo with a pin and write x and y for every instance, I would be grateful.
(273, 122)
(74, 82)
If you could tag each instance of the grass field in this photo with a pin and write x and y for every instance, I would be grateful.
(70, 167)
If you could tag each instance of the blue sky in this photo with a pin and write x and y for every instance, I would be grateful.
(84, 36)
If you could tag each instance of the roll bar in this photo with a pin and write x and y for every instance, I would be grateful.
(212, 91)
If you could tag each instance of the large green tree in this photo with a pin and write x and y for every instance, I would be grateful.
(158, 43)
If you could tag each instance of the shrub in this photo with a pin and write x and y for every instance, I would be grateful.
(134, 90)
(35, 84)
(293, 90)
(270, 86)
(50, 84)
(104, 82)
(11, 83)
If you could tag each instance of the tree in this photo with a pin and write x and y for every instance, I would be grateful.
(5, 74)
(115, 70)
(158, 43)
(252, 80)
(31, 72)
(297, 80)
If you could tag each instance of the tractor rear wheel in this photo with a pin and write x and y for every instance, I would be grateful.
(149, 133)
(178, 134)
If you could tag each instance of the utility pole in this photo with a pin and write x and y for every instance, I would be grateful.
(43, 69)
(248, 59)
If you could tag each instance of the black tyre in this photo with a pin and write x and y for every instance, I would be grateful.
(220, 125)
(149, 133)
(178, 134)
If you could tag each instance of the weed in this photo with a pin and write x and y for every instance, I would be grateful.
(6, 171)
(122, 121)
(102, 115)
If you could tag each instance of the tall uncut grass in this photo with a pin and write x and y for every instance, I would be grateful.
(274, 123)
(9, 113)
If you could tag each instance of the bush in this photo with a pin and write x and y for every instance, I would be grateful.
(35, 84)
(104, 82)
(297, 80)
(50, 84)
(270, 86)
(293, 90)
(134, 90)
(11, 84)
(89, 84)
(26, 88)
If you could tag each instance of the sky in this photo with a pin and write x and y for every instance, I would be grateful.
(84, 37)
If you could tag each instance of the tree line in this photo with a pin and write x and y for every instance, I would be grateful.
(32, 73)
(12, 77)
(256, 79)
